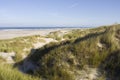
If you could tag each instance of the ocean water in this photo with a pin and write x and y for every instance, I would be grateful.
(21, 28)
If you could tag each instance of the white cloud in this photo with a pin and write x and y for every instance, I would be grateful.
(74, 5)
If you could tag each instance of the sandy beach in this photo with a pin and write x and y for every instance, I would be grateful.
(9, 34)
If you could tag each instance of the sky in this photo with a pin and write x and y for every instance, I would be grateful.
(40, 13)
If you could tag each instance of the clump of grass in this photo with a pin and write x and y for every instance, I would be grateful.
(57, 35)
(42, 40)
(18, 57)
(7, 72)
(2, 59)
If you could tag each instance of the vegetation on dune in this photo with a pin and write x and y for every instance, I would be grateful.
(7, 72)
(77, 33)
(91, 50)
(18, 45)
(2, 59)
(57, 35)
(92, 54)
(74, 33)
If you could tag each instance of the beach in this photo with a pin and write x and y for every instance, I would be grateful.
(13, 33)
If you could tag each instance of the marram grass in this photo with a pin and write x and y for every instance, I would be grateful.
(7, 72)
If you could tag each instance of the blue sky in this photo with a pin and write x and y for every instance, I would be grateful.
(59, 12)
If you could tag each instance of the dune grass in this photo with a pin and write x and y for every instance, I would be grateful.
(2, 59)
(65, 60)
(75, 55)
(7, 72)
(18, 45)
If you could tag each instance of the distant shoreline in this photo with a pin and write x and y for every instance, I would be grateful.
(40, 28)
(13, 32)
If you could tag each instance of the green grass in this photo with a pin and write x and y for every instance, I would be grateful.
(55, 35)
(7, 72)
(2, 59)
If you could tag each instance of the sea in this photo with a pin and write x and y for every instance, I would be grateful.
(36, 28)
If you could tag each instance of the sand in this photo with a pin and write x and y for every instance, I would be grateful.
(9, 34)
